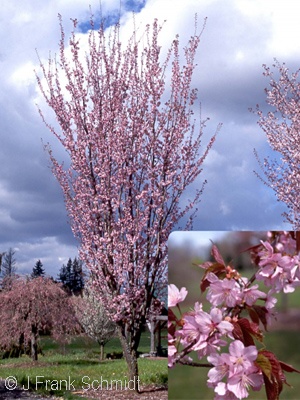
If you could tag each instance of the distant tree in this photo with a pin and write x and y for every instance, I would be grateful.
(38, 270)
(71, 276)
(78, 276)
(94, 320)
(31, 306)
(1, 257)
(63, 275)
(9, 263)
(8, 267)
(281, 126)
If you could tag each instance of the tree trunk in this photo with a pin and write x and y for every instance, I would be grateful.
(101, 350)
(34, 345)
(129, 346)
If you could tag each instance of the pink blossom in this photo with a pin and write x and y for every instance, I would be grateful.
(239, 370)
(239, 383)
(214, 322)
(286, 243)
(223, 291)
(210, 346)
(172, 351)
(241, 357)
(176, 296)
(278, 271)
(204, 330)
(221, 367)
(223, 393)
(251, 294)
(191, 332)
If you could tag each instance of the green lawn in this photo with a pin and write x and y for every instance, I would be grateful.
(78, 365)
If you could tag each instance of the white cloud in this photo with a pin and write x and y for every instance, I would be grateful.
(224, 208)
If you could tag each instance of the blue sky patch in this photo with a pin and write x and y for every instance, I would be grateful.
(113, 17)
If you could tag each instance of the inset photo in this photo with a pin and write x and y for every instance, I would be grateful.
(233, 296)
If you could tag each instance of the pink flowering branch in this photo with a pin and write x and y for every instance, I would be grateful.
(238, 309)
(281, 127)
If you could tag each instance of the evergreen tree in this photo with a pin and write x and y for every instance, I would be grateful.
(78, 280)
(71, 276)
(63, 275)
(38, 270)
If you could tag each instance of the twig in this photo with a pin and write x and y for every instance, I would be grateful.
(195, 364)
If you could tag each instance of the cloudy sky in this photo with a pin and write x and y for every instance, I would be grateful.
(240, 36)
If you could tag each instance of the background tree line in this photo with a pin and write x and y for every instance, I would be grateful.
(71, 275)
(35, 304)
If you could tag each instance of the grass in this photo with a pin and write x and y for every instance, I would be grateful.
(77, 365)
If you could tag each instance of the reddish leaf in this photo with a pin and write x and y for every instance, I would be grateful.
(261, 313)
(253, 315)
(258, 314)
(172, 329)
(272, 391)
(250, 329)
(217, 256)
(237, 332)
(241, 333)
(204, 285)
(288, 368)
(275, 384)
(297, 241)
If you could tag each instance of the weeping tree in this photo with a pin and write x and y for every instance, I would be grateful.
(126, 121)
(33, 306)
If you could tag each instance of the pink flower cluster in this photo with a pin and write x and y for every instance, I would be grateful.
(231, 296)
(238, 368)
(231, 292)
(278, 269)
(202, 332)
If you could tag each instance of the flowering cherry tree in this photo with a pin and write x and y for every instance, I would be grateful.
(282, 128)
(238, 313)
(32, 306)
(134, 148)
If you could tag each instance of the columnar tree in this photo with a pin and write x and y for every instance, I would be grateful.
(31, 306)
(282, 128)
(126, 122)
